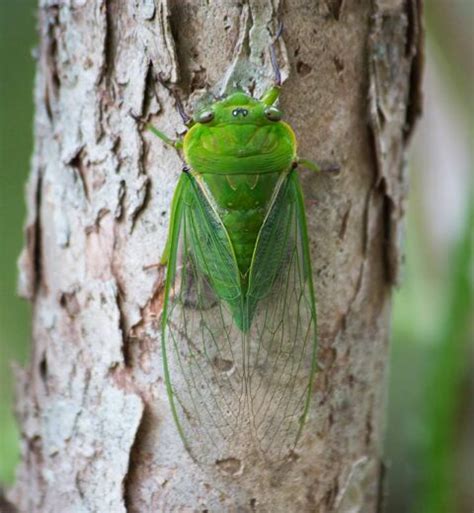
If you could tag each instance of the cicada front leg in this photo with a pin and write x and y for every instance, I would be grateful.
(272, 94)
(324, 167)
(176, 143)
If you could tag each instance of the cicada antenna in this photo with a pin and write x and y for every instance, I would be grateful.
(179, 104)
(179, 107)
(273, 58)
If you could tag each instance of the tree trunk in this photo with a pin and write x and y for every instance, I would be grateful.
(97, 432)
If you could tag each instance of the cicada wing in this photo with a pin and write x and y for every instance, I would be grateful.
(239, 393)
(202, 344)
(283, 332)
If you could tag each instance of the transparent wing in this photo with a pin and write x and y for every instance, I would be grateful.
(239, 394)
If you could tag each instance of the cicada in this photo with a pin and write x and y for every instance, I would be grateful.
(239, 330)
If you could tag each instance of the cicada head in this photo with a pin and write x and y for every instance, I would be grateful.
(239, 108)
(239, 131)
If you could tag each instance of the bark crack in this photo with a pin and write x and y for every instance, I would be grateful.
(132, 475)
(109, 42)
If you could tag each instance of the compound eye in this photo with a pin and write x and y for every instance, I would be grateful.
(273, 114)
(205, 117)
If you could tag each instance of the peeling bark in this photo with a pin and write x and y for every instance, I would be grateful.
(97, 432)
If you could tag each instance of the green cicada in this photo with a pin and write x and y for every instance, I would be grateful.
(239, 315)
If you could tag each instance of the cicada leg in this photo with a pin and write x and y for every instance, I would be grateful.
(325, 167)
(176, 143)
(271, 95)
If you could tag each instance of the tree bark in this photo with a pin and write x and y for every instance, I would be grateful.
(96, 428)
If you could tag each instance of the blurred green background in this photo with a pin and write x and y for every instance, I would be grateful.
(430, 427)
(17, 39)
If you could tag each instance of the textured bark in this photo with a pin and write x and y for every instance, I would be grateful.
(97, 433)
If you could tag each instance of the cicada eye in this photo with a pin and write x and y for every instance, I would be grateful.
(273, 114)
(205, 116)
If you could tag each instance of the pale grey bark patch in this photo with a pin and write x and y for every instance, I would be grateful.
(77, 407)
(359, 486)
(96, 427)
(257, 30)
